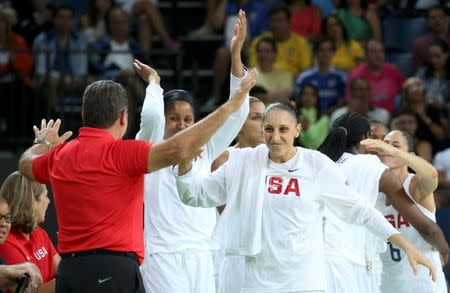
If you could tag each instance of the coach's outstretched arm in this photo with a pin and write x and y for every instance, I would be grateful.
(187, 142)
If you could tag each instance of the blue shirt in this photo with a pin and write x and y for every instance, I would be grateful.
(257, 17)
(331, 85)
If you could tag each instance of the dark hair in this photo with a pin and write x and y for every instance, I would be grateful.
(281, 106)
(347, 131)
(257, 90)
(176, 95)
(345, 34)
(429, 70)
(323, 40)
(289, 2)
(298, 100)
(280, 8)
(268, 40)
(92, 11)
(103, 101)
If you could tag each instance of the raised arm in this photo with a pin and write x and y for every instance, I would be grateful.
(206, 191)
(225, 135)
(425, 180)
(182, 145)
(429, 230)
(152, 114)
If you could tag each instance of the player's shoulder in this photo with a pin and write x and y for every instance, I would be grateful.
(365, 160)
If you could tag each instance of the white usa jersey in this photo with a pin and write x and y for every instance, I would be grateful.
(363, 173)
(397, 275)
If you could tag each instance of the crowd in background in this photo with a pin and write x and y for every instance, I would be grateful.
(326, 56)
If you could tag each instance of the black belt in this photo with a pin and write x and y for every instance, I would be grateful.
(98, 252)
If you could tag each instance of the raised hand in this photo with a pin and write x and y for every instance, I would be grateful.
(146, 72)
(49, 133)
(240, 34)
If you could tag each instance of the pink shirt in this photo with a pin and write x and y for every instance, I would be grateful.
(384, 86)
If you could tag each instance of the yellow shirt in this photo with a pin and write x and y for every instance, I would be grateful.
(294, 54)
(275, 80)
(347, 57)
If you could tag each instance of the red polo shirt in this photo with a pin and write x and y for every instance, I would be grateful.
(98, 185)
(38, 250)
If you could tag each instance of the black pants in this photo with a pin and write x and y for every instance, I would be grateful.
(99, 273)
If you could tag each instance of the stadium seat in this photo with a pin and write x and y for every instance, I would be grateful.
(399, 33)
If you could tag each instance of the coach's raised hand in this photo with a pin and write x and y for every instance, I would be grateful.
(146, 72)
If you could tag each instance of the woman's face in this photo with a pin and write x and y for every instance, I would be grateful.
(308, 99)
(396, 139)
(4, 226)
(438, 58)
(179, 116)
(252, 130)
(334, 28)
(41, 205)
(266, 54)
(280, 131)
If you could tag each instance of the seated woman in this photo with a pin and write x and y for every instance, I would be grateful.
(27, 241)
(11, 274)
(278, 83)
(274, 217)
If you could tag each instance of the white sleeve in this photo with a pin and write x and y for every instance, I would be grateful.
(206, 191)
(229, 130)
(348, 206)
(152, 115)
(438, 162)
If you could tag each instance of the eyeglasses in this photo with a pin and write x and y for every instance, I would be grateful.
(8, 218)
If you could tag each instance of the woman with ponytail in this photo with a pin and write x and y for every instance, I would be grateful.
(27, 242)
(353, 263)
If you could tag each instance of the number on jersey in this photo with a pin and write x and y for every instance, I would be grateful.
(395, 252)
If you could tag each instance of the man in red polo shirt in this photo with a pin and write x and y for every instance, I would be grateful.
(97, 182)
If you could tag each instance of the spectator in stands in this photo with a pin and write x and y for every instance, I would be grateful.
(378, 129)
(359, 103)
(219, 12)
(385, 79)
(61, 59)
(260, 93)
(9, 274)
(27, 241)
(438, 23)
(277, 82)
(329, 81)
(34, 17)
(294, 54)
(15, 74)
(113, 59)
(146, 15)
(406, 120)
(361, 20)
(257, 23)
(327, 7)
(349, 53)
(431, 120)
(442, 164)
(305, 18)
(93, 24)
(436, 75)
(315, 124)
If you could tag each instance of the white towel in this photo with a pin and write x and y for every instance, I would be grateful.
(239, 227)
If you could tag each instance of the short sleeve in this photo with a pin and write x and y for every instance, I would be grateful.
(42, 166)
(131, 157)
(439, 163)
(11, 253)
